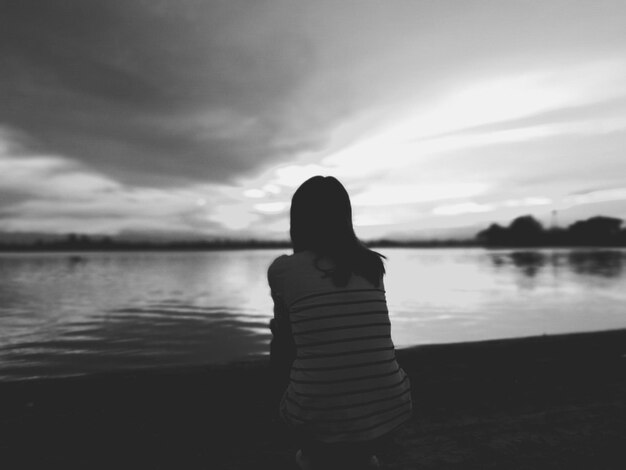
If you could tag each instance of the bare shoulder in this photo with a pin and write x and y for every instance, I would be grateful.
(285, 264)
(279, 261)
(277, 266)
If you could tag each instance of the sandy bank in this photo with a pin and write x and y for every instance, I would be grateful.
(533, 403)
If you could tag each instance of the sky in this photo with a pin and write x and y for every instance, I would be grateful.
(203, 117)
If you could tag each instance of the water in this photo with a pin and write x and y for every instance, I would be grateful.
(70, 314)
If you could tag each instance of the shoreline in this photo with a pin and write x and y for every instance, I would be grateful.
(262, 360)
(417, 245)
(551, 401)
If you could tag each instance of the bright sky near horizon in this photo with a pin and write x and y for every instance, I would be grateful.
(204, 116)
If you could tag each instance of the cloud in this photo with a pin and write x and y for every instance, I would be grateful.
(463, 208)
(159, 92)
(590, 197)
(387, 195)
(52, 193)
(206, 115)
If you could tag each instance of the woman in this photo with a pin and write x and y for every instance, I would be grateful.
(345, 390)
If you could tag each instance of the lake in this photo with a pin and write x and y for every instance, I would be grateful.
(64, 314)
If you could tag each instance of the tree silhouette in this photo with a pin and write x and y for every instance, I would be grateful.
(494, 235)
(528, 231)
(598, 230)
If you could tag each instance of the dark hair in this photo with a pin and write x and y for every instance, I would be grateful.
(321, 221)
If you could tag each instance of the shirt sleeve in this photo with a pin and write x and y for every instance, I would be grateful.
(274, 279)
(282, 347)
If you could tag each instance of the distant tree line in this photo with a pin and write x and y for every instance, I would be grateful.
(528, 231)
(522, 231)
(422, 243)
(81, 242)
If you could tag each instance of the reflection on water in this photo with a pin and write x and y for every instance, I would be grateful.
(607, 263)
(601, 263)
(528, 261)
(71, 314)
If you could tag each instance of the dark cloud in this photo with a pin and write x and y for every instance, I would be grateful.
(160, 92)
(8, 199)
(122, 109)
(151, 91)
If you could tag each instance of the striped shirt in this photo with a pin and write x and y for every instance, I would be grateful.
(345, 384)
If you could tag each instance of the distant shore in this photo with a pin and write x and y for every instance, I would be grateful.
(523, 232)
(182, 247)
(541, 402)
(96, 246)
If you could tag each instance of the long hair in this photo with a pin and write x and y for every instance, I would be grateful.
(321, 221)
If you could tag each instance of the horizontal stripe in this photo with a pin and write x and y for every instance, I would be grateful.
(320, 294)
(345, 407)
(294, 417)
(347, 366)
(375, 435)
(351, 392)
(340, 315)
(344, 353)
(351, 379)
(334, 304)
(336, 328)
(353, 418)
(405, 414)
(344, 340)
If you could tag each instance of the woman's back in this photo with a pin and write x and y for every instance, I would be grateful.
(345, 384)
